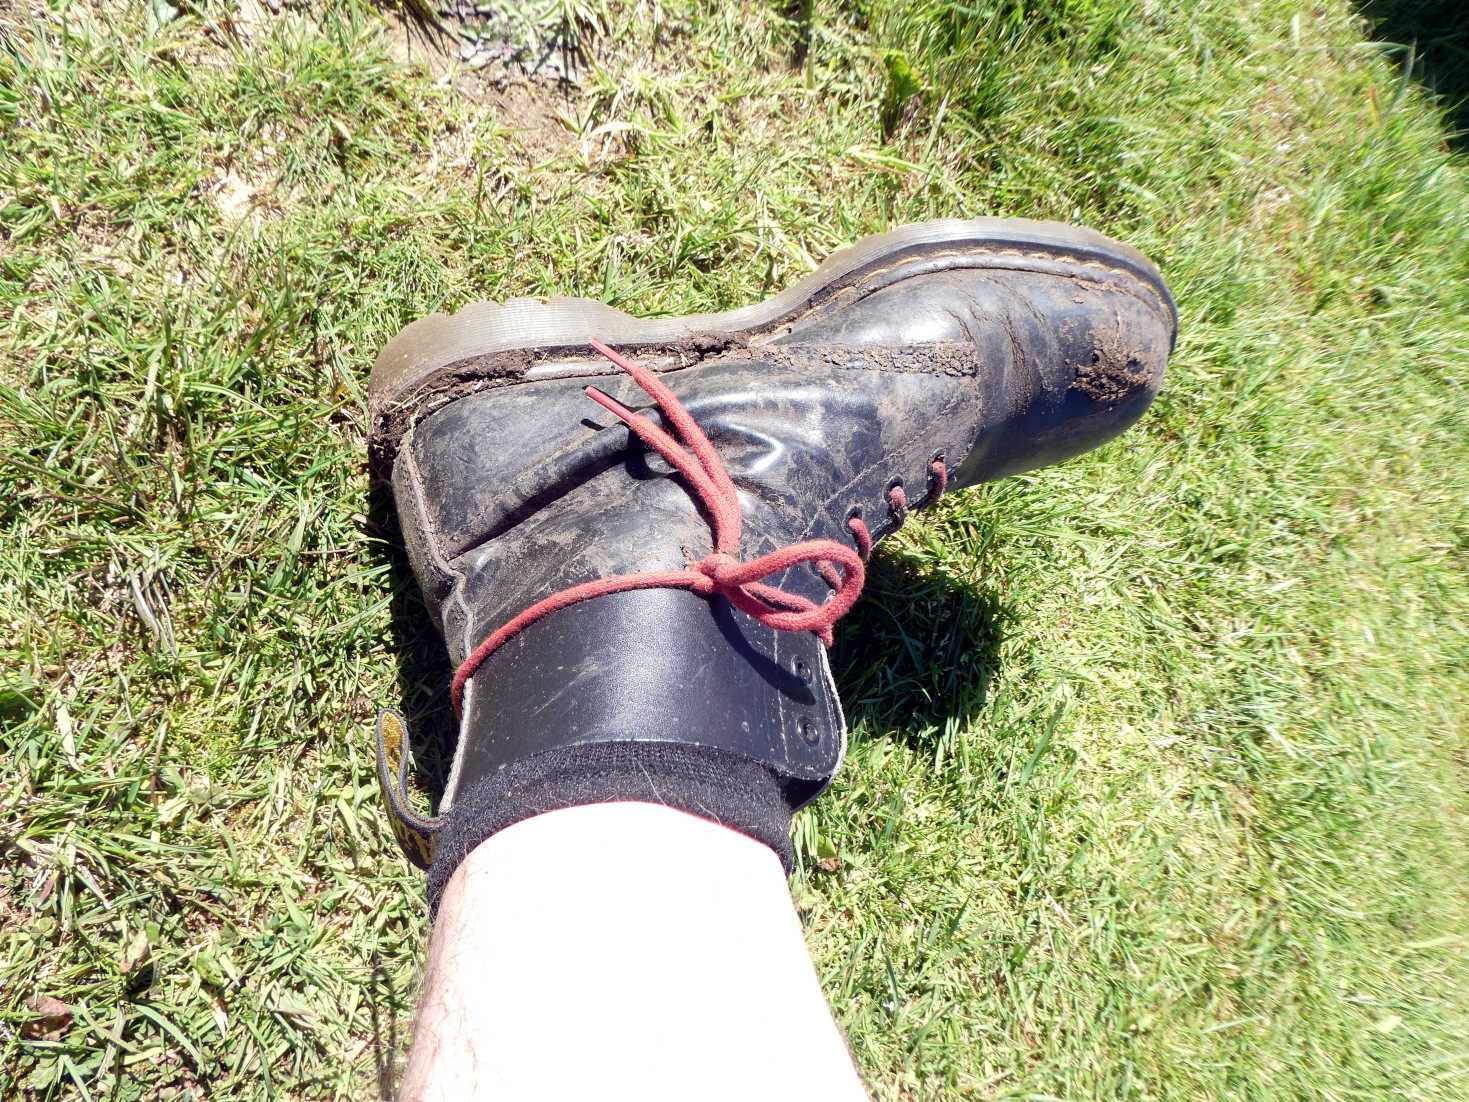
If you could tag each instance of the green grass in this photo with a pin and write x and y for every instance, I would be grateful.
(1160, 777)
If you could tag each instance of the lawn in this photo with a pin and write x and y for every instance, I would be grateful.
(1159, 784)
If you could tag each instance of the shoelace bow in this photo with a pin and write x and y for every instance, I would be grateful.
(721, 573)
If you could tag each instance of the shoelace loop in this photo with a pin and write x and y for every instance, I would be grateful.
(897, 499)
(938, 470)
(722, 573)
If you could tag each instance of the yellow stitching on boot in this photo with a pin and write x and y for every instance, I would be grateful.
(416, 834)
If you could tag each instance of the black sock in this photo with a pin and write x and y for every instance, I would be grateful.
(718, 786)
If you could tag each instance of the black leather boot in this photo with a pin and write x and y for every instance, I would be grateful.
(929, 358)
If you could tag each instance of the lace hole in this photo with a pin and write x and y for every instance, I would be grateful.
(802, 670)
(809, 732)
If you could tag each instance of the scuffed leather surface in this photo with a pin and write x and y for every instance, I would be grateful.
(509, 495)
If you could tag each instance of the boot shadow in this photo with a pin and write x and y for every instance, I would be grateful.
(424, 670)
(920, 650)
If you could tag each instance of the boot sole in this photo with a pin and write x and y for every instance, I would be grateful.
(439, 358)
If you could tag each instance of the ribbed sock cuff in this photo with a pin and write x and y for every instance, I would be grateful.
(723, 788)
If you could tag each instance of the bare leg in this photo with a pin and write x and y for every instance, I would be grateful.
(623, 950)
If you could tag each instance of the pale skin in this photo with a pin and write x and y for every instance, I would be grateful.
(623, 950)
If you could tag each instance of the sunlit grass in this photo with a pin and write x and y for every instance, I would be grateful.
(1158, 782)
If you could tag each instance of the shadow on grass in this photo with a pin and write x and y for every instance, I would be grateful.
(383, 1005)
(918, 651)
(798, 14)
(424, 670)
(1438, 33)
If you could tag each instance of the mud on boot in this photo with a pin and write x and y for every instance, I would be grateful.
(729, 474)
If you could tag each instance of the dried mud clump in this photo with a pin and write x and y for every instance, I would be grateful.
(1114, 374)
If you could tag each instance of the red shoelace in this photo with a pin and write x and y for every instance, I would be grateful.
(721, 573)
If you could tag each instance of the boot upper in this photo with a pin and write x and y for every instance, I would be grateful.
(510, 493)
(523, 490)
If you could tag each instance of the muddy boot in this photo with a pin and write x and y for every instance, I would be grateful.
(638, 602)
